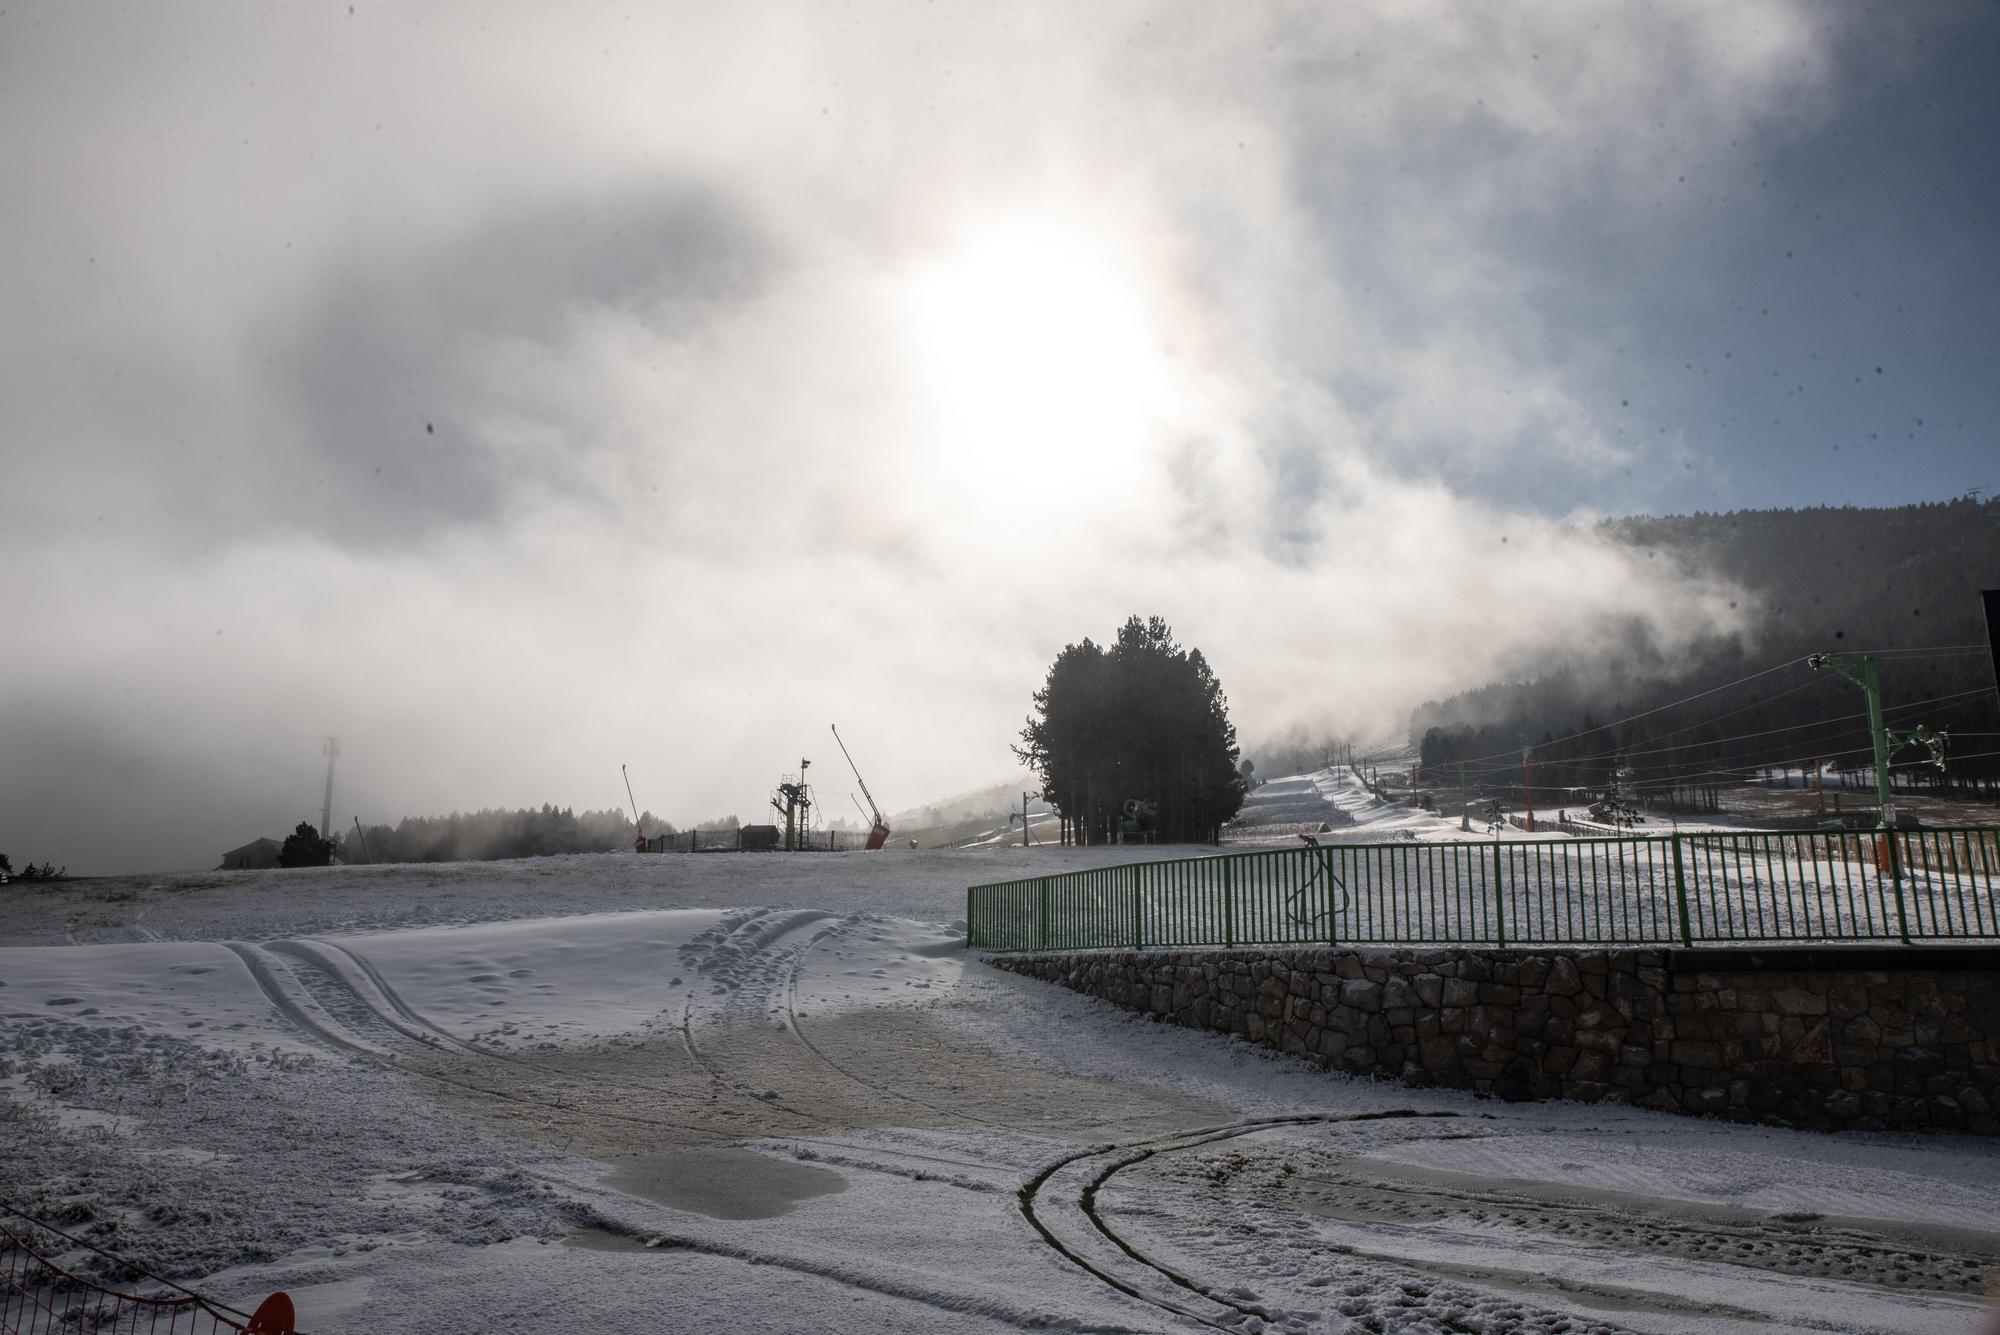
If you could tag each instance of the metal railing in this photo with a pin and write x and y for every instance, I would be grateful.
(38, 1295)
(1682, 889)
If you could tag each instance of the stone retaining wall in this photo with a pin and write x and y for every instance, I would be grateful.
(1866, 1038)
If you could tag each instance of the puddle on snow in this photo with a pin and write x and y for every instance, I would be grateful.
(723, 1184)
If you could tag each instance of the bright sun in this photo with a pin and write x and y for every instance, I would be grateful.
(1037, 364)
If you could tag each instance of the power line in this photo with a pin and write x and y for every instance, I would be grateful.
(1801, 762)
(1921, 651)
(1648, 713)
(1913, 651)
(1719, 741)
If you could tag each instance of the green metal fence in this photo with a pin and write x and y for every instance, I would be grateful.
(1683, 889)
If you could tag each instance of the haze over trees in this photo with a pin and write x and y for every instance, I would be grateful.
(1143, 719)
(477, 836)
(1899, 582)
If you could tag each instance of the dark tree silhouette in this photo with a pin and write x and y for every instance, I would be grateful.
(304, 848)
(1144, 720)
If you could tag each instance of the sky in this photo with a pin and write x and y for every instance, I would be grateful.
(523, 391)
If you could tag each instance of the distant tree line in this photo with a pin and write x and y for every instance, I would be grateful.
(1143, 720)
(1825, 580)
(477, 836)
(48, 871)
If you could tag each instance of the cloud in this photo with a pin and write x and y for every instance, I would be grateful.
(731, 373)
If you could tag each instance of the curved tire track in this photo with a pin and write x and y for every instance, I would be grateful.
(1188, 1297)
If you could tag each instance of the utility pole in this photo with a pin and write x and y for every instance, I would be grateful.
(332, 749)
(1464, 812)
(1024, 817)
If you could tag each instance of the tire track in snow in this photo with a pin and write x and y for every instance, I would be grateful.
(798, 1031)
(302, 1010)
(332, 957)
(382, 999)
(325, 1027)
(1809, 1247)
(1188, 1297)
(743, 940)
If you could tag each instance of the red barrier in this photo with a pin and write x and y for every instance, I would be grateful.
(37, 1296)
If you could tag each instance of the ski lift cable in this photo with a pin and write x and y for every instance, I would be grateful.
(1907, 706)
(1925, 651)
(1894, 710)
(1915, 651)
(1673, 704)
(1772, 757)
(1754, 704)
(1857, 751)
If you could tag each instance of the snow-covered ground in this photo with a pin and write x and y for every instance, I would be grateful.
(770, 1093)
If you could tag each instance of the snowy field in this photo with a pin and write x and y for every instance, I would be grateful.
(770, 1093)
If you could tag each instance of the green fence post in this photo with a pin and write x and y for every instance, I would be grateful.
(1896, 875)
(968, 914)
(1138, 910)
(1043, 916)
(1681, 894)
(1228, 905)
(1326, 868)
(1499, 904)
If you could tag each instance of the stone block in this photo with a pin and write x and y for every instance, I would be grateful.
(1707, 1100)
(1691, 1052)
(1590, 1066)
(1917, 1061)
(1944, 1111)
(1362, 995)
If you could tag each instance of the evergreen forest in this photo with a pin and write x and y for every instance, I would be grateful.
(1900, 584)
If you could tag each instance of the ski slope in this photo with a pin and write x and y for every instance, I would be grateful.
(772, 1093)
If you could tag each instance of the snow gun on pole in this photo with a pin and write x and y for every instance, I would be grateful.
(639, 843)
(878, 834)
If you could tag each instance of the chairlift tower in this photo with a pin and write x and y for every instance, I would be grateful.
(1861, 670)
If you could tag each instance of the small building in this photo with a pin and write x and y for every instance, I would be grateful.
(257, 855)
(759, 838)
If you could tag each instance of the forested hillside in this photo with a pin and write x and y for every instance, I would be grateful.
(1900, 583)
(474, 836)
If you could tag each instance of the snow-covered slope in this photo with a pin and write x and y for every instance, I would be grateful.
(771, 1093)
